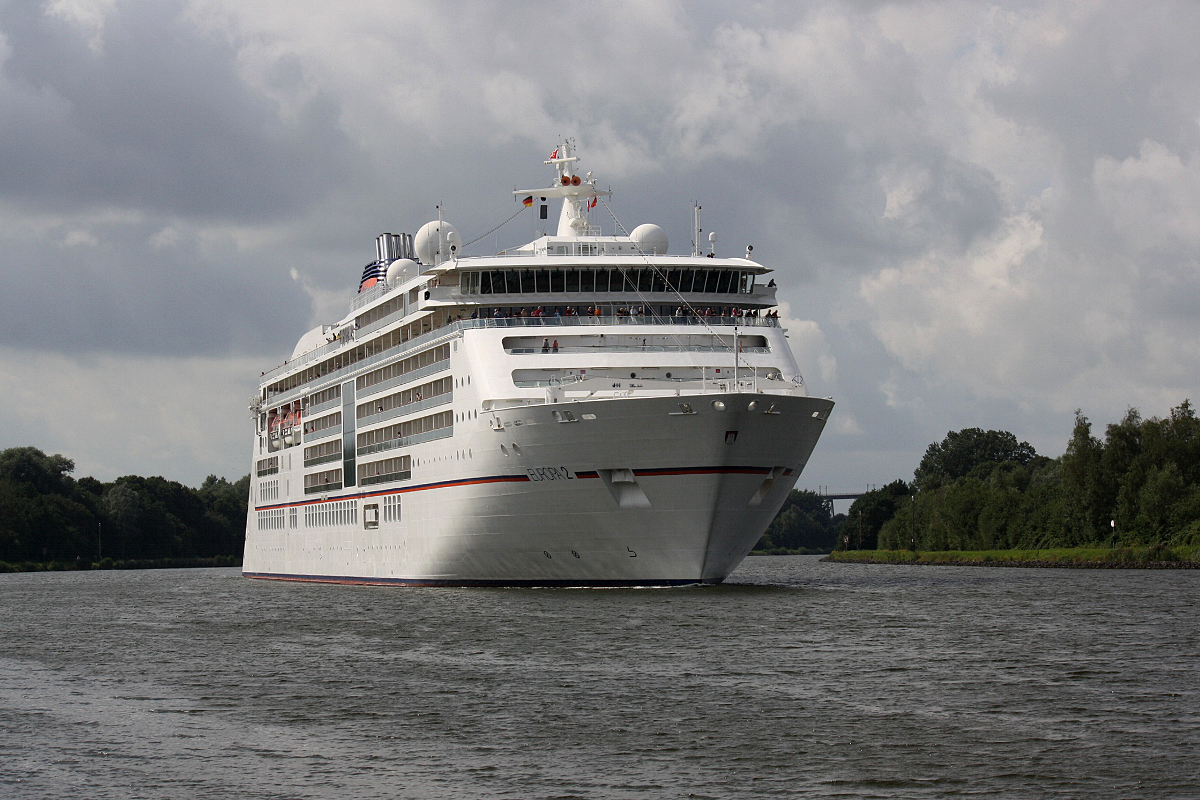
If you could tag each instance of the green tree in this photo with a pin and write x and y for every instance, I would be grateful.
(869, 512)
(962, 451)
(806, 521)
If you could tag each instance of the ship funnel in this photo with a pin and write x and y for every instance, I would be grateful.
(392, 246)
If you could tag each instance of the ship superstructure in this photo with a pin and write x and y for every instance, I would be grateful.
(585, 409)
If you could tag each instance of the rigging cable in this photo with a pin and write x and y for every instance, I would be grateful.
(493, 230)
(666, 282)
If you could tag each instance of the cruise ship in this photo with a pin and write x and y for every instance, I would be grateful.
(582, 410)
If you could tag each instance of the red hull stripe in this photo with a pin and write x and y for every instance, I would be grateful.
(403, 490)
(645, 473)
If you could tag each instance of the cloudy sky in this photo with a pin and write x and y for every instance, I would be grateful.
(980, 214)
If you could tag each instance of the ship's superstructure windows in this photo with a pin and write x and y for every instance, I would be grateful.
(268, 490)
(271, 519)
(319, 424)
(331, 513)
(325, 481)
(614, 279)
(266, 466)
(380, 311)
(425, 358)
(391, 508)
(417, 394)
(353, 355)
(323, 453)
(322, 397)
(396, 434)
(385, 471)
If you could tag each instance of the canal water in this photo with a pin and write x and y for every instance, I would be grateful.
(795, 678)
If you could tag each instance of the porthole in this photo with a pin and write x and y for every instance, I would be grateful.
(668, 374)
(719, 405)
(633, 374)
(504, 449)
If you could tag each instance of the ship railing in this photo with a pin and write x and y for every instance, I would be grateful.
(325, 459)
(408, 377)
(321, 408)
(371, 295)
(633, 348)
(586, 321)
(371, 480)
(406, 441)
(348, 335)
(414, 343)
(407, 408)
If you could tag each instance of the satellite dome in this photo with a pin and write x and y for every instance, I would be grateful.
(310, 341)
(437, 242)
(400, 269)
(650, 238)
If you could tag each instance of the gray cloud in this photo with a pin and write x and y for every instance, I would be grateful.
(979, 215)
(158, 119)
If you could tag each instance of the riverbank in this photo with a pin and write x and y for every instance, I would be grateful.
(109, 563)
(1150, 557)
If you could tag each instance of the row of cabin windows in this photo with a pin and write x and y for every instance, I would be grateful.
(407, 397)
(271, 520)
(330, 478)
(404, 366)
(353, 355)
(330, 448)
(385, 468)
(324, 396)
(410, 427)
(332, 512)
(321, 423)
(380, 311)
(557, 281)
(267, 466)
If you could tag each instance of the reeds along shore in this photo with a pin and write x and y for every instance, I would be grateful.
(1151, 557)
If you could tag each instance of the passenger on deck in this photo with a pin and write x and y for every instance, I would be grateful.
(545, 345)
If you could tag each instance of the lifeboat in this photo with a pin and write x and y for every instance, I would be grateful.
(289, 429)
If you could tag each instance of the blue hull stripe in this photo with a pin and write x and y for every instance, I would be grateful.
(356, 581)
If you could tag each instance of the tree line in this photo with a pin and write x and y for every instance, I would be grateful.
(975, 490)
(984, 490)
(46, 515)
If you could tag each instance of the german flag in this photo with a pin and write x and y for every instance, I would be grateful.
(528, 201)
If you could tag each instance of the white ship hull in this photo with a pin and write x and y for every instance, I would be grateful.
(552, 514)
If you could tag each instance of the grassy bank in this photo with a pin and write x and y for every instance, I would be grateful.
(1149, 557)
(109, 563)
(792, 551)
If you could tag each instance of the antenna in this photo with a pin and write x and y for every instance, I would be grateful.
(712, 243)
(696, 229)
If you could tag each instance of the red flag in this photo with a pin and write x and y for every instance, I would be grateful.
(554, 154)
(592, 203)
